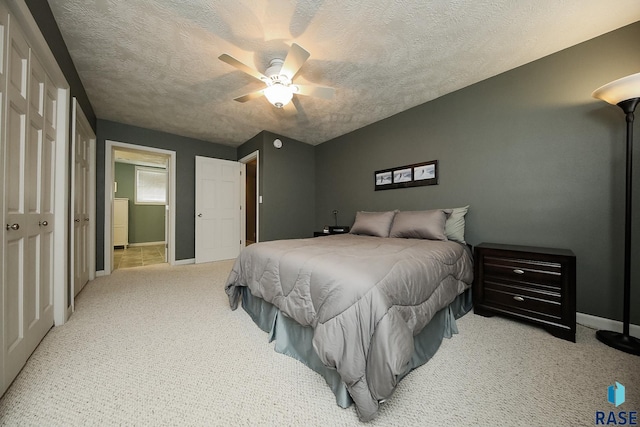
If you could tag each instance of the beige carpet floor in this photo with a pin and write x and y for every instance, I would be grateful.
(158, 345)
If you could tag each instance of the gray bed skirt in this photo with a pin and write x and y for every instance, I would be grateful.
(295, 340)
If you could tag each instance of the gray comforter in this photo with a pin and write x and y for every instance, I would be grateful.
(365, 297)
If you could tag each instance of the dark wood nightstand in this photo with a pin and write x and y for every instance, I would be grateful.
(322, 233)
(537, 285)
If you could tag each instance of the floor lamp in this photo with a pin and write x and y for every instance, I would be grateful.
(625, 93)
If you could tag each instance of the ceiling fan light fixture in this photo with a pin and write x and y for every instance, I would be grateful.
(278, 78)
(278, 94)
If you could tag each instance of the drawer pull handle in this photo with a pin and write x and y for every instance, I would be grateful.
(518, 299)
(518, 271)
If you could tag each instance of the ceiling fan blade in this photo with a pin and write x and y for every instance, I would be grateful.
(242, 67)
(249, 96)
(293, 62)
(317, 91)
(289, 109)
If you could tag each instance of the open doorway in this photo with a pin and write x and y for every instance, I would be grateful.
(139, 210)
(251, 199)
(139, 206)
(250, 202)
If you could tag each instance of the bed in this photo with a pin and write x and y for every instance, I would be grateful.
(364, 308)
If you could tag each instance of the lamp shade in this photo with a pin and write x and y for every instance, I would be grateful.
(619, 90)
(278, 94)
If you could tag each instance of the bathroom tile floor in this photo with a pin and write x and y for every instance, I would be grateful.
(138, 256)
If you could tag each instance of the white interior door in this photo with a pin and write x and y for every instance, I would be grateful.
(217, 209)
(30, 146)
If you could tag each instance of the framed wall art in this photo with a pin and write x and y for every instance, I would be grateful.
(418, 174)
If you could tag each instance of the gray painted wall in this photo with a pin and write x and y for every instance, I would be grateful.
(49, 28)
(186, 151)
(287, 186)
(146, 222)
(288, 206)
(538, 159)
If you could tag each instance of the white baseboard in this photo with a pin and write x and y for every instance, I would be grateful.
(133, 245)
(100, 273)
(601, 323)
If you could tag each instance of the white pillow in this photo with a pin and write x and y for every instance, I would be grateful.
(454, 226)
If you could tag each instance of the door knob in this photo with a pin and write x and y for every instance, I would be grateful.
(77, 220)
(86, 219)
(43, 223)
(13, 226)
(199, 215)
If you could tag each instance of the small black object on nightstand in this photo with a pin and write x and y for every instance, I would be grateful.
(332, 230)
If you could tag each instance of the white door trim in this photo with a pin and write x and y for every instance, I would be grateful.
(108, 199)
(243, 218)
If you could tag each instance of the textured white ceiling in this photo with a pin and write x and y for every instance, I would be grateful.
(154, 63)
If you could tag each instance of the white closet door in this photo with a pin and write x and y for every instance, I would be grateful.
(82, 253)
(40, 189)
(16, 216)
(29, 201)
(4, 379)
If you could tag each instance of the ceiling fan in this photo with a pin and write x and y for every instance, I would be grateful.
(278, 78)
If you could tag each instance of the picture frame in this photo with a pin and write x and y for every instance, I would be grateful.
(414, 175)
(384, 178)
(402, 175)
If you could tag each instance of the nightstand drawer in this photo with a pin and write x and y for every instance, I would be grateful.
(548, 273)
(535, 288)
(523, 300)
(532, 290)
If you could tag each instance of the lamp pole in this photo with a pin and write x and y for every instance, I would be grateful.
(628, 107)
(625, 93)
(624, 341)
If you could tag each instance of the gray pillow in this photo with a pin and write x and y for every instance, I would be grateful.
(373, 223)
(454, 227)
(420, 224)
